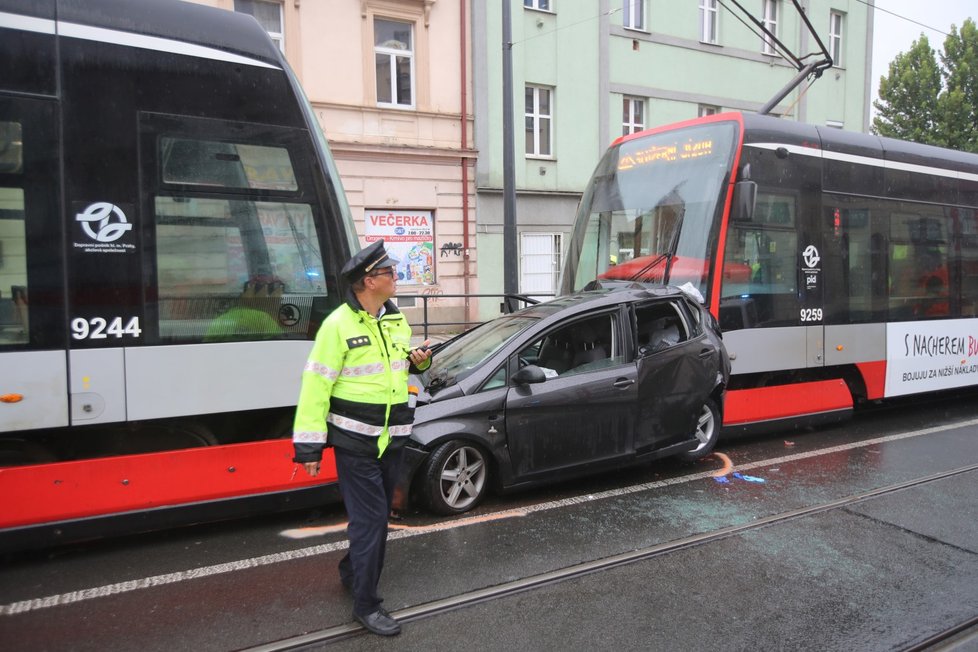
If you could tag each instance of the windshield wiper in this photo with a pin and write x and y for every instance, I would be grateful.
(655, 261)
(436, 382)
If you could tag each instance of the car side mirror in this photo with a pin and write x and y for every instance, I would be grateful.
(529, 375)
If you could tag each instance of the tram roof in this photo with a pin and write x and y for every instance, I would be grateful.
(839, 141)
(168, 19)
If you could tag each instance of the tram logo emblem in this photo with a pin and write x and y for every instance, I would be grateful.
(108, 220)
(811, 256)
(289, 314)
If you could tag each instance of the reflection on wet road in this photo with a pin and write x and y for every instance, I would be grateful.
(174, 590)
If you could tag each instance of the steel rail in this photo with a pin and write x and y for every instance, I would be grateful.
(444, 605)
(953, 638)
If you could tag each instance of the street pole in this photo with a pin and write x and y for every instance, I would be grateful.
(510, 279)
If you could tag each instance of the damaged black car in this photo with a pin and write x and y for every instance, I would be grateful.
(578, 385)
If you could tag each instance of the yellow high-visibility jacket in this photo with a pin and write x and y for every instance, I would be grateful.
(354, 392)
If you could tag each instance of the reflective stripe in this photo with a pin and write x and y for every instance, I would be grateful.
(322, 370)
(399, 431)
(400, 365)
(364, 369)
(353, 425)
(309, 437)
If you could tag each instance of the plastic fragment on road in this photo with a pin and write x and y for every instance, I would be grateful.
(722, 479)
(749, 478)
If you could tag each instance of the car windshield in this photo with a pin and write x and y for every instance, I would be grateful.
(464, 354)
(649, 212)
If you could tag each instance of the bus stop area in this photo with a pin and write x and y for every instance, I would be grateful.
(861, 537)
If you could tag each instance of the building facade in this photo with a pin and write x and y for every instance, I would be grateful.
(409, 94)
(390, 81)
(585, 73)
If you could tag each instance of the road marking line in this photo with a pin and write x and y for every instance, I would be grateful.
(306, 532)
(25, 606)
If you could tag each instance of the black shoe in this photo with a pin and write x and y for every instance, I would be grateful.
(347, 584)
(380, 622)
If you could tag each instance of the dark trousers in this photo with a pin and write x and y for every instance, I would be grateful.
(367, 487)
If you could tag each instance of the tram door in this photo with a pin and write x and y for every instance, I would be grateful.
(33, 367)
(773, 269)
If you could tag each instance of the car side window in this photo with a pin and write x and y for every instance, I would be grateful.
(583, 345)
(659, 326)
(498, 379)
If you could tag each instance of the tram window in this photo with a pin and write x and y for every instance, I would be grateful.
(759, 270)
(231, 270)
(228, 165)
(13, 268)
(13, 240)
(854, 270)
(968, 245)
(11, 148)
(773, 209)
(918, 263)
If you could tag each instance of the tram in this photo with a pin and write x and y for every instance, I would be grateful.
(172, 227)
(842, 267)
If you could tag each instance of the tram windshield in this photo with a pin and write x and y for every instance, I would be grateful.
(651, 210)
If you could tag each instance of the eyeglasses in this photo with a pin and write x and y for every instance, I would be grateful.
(388, 271)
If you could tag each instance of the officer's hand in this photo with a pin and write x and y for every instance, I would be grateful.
(420, 354)
(312, 468)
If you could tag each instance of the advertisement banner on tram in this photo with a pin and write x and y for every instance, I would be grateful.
(928, 356)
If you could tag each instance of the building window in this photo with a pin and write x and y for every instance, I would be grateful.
(394, 58)
(836, 21)
(268, 15)
(634, 14)
(540, 262)
(770, 21)
(708, 21)
(542, 5)
(708, 109)
(539, 121)
(632, 115)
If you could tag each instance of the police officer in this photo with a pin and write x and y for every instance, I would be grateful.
(354, 397)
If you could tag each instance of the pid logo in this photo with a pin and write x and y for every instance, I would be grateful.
(811, 256)
(103, 222)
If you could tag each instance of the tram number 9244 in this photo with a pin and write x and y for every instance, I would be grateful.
(99, 328)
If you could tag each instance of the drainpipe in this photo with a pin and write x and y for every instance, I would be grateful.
(463, 60)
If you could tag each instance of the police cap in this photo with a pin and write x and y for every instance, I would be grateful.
(368, 259)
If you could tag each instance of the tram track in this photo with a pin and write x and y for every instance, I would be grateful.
(445, 605)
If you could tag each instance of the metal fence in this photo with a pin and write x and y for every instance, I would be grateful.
(509, 303)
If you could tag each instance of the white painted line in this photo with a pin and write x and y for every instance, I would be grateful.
(25, 606)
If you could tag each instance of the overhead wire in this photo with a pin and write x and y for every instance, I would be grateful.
(911, 20)
(563, 27)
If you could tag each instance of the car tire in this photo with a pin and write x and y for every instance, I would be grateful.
(707, 432)
(455, 478)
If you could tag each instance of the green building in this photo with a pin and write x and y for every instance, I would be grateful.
(588, 71)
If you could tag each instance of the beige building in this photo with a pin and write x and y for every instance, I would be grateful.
(389, 81)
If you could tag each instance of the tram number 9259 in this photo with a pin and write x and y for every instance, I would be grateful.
(811, 314)
(99, 328)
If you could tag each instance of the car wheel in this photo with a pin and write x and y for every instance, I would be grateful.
(455, 477)
(707, 432)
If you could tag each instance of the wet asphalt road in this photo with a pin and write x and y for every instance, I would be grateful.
(881, 573)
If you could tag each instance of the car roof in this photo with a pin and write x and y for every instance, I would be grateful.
(606, 294)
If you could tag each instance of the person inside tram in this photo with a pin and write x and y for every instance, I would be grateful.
(256, 315)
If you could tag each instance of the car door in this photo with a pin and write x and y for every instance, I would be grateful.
(583, 414)
(674, 377)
